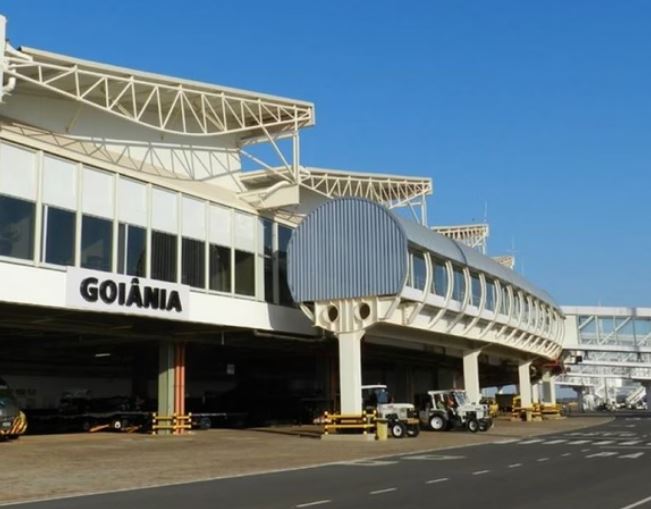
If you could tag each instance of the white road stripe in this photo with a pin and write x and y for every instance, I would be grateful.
(632, 456)
(566, 454)
(515, 465)
(637, 504)
(435, 481)
(578, 442)
(542, 459)
(601, 455)
(552, 442)
(631, 442)
(480, 472)
(316, 502)
(603, 442)
(534, 441)
(379, 492)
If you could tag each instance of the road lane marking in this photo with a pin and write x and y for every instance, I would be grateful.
(637, 504)
(632, 456)
(508, 441)
(585, 450)
(579, 442)
(480, 472)
(566, 454)
(534, 441)
(542, 459)
(316, 502)
(603, 442)
(631, 442)
(515, 465)
(367, 463)
(436, 481)
(553, 442)
(433, 457)
(601, 455)
(380, 492)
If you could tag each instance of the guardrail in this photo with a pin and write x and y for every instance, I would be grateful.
(362, 423)
(177, 424)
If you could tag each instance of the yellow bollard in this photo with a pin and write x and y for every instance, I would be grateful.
(382, 429)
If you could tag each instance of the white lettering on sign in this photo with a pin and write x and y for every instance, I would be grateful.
(103, 291)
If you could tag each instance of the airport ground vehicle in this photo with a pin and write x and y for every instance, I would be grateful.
(447, 409)
(402, 418)
(13, 422)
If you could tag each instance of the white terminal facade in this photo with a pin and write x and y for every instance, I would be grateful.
(129, 226)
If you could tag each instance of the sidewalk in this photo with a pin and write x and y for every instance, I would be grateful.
(35, 467)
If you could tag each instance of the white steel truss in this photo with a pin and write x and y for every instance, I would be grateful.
(160, 103)
(472, 235)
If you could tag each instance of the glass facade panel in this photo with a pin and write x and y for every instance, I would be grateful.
(440, 285)
(16, 228)
(59, 236)
(459, 289)
(220, 268)
(504, 304)
(193, 263)
(490, 295)
(418, 270)
(96, 243)
(284, 295)
(132, 250)
(268, 262)
(244, 273)
(163, 256)
(476, 289)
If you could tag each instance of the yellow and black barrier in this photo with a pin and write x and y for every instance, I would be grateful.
(177, 424)
(364, 423)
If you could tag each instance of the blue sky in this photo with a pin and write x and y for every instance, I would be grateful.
(542, 110)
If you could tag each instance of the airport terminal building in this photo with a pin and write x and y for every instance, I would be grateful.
(140, 256)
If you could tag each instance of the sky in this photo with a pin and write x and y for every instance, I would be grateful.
(537, 114)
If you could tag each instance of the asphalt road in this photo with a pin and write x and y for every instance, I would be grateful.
(601, 467)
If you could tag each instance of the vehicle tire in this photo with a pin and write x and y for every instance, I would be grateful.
(413, 431)
(117, 424)
(472, 425)
(483, 426)
(438, 423)
(398, 430)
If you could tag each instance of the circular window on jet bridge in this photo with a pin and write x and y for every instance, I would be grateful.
(364, 310)
(333, 313)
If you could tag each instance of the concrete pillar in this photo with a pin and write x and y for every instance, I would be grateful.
(535, 393)
(647, 386)
(166, 361)
(471, 375)
(525, 383)
(350, 372)
(549, 388)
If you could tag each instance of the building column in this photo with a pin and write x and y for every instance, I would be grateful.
(549, 388)
(535, 393)
(647, 386)
(525, 383)
(179, 379)
(471, 375)
(350, 372)
(166, 378)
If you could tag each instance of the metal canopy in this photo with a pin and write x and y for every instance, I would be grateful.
(166, 104)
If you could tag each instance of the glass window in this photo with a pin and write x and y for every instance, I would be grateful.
(193, 266)
(517, 305)
(490, 295)
(268, 262)
(475, 284)
(285, 296)
(244, 273)
(459, 289)
(220, 268)
(418, 271)
(132, 250)
(59, 236)
(163, 256)
(504, 304)
(96, 243)
(16, 228)
(440, 285)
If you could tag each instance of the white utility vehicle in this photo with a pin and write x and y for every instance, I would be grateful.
(401, 418)
(444, 410)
